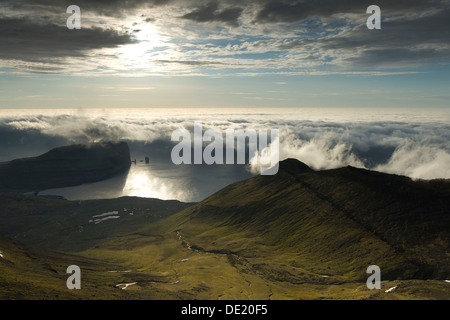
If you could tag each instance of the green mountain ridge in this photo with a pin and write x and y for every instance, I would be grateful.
(334, 222)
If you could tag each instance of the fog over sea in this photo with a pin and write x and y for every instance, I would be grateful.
(410, 142)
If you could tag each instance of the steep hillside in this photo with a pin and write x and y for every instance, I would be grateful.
(300, 224)
(36, 274)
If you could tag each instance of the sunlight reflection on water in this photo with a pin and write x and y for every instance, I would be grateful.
(145, 182)
(140, 181)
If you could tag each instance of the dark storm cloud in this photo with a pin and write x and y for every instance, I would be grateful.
(28, 40)
(105, 7)
(398, 56)
(295, 10)
(210, 13)
(401, 41)
(431, 28)
(419, 40)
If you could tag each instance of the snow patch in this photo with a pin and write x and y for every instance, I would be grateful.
(447, 281)
(391, 289)
(97, 221)
(125, 285)
(105, 214)
(1, 255)
(99, 218)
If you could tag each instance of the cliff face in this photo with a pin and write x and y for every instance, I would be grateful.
(65, 166)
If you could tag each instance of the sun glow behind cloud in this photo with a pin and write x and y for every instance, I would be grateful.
(142, 181)
(139, 55)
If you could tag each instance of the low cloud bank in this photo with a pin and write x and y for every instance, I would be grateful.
(412, 148)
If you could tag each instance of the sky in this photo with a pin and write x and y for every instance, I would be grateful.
(234, 54)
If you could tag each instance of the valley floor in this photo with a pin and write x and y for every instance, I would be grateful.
(170, 267)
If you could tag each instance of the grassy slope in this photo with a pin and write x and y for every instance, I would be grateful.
(277, 237)
(64, 225)
(36, 274)
(339, 232)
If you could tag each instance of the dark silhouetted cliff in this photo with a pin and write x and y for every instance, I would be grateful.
(65, 166)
